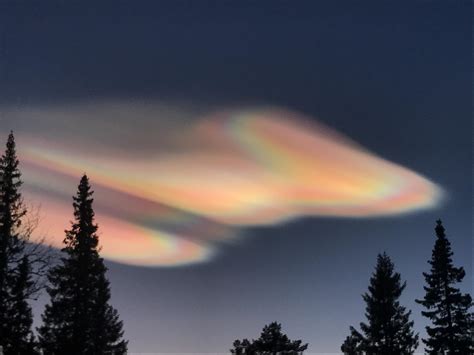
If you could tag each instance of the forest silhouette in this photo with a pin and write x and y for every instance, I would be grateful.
(79, 318)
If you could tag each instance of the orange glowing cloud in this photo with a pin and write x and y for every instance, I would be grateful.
(172, 203)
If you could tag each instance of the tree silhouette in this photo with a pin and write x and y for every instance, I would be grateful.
(15, 283)
(271, 341)
(352, 344)
(79, 319)
(242, 347)
(389, 330)
(446, 307)
(21, 317)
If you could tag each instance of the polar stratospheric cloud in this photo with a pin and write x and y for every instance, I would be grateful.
(171, 185)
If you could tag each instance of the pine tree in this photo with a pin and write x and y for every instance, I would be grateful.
(79, 319)
(21, 318)
(389, 330)
(241, 347)
(446, 307)
(352, 344)
(15, 283)
(271, 341)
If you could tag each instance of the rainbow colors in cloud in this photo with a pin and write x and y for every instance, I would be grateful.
(174, 203)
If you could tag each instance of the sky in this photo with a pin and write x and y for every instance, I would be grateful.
(250, 159)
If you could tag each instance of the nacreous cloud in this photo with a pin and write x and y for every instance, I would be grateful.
(170, 185)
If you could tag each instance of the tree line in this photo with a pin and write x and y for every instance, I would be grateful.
(80, 320)
(389, 329)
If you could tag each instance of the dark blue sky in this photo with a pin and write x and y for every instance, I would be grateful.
(393, 76)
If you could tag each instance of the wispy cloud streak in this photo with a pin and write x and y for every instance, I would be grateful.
(171, 184)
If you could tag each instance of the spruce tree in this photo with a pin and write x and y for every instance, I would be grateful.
(446, 307)
(352, 344)
(79, 318)
(389, 330)
(21, 319)
(15, 283)
(241, 347)
(271, 341)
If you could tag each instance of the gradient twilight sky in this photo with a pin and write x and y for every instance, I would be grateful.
(250, 159)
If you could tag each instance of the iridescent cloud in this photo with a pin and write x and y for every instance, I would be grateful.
(172, 202)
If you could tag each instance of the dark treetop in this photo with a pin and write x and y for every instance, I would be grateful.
(271, 341)
(16, 318)
(446, 307)
(79, 319)
(389, 330)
